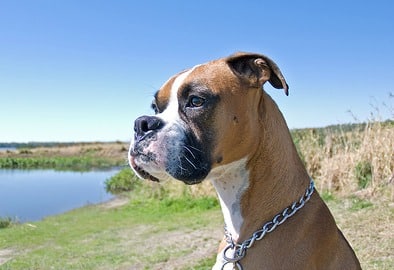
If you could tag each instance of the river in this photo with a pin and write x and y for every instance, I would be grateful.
(30, 195)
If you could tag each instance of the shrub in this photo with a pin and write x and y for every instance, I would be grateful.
(363, 174)
(123, 181)
(5, 222)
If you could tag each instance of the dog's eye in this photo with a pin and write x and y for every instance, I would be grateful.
(154, 107)
(195, 101)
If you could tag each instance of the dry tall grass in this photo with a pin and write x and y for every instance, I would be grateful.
(359, 161)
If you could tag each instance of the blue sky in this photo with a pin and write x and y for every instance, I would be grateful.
(81, 70)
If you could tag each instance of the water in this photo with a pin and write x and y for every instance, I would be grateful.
(31, 195)
(5, 149)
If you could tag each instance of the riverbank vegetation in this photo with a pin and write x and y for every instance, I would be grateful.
(5, 222)
(65, 156)
(169, 225)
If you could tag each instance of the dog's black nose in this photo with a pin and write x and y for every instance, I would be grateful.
(144, 124)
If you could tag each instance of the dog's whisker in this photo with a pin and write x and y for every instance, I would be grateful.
(180, 165)
(194, 148)
(190, 151)
(194, 166)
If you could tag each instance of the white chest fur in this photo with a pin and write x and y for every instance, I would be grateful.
(230, 182)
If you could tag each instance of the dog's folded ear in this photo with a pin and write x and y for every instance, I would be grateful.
(257, 69)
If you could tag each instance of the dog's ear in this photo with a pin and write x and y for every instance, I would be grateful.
(257, 69)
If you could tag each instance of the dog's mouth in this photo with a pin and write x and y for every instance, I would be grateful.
(141, 172)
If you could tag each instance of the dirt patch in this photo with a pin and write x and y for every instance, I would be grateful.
(6, 255)
(115, 203)
(203, 244)
(168, 250)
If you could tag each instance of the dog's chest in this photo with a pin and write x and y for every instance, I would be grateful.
(230, 182)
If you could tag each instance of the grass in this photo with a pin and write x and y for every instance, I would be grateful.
(57, 163)
(77, 157)
(138, 234)
(369, 229)
(359, 204)
(171, 232)
(123, 181)
(345, 160)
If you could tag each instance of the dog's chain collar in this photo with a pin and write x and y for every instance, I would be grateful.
(239, 250)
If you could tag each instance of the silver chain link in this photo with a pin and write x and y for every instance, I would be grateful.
(239, 250)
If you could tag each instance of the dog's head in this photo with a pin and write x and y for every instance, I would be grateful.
(204, 117)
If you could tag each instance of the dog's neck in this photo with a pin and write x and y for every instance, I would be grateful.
(251, 195)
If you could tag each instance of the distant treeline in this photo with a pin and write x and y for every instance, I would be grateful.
(341, 127)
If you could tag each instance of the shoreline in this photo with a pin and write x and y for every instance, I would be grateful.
(75, 157)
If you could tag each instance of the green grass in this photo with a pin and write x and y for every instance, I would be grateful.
(205, 264)
(327, 196)
(358, 203)
(363, 174)
(96, 237)
(74, 163)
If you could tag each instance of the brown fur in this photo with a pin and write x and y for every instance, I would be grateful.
(248, 123)
(308, 240)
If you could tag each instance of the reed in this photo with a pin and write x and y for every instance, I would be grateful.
(345, 161)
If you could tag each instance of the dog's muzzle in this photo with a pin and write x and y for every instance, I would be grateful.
(145, 130)
(161, 150)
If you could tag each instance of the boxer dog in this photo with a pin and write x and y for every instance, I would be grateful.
(215, 121)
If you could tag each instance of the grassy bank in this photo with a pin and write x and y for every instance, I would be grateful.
(78, 156)
(137, 235)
